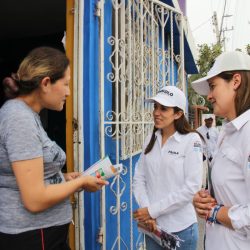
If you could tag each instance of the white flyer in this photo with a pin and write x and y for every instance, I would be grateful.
(104, 169)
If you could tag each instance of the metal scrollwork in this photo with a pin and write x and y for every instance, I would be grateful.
(113, 210)
(198, 100)
(141, 61)
(124, 206)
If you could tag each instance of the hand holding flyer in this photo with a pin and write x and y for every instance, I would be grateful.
(104, 169)
(165, 239)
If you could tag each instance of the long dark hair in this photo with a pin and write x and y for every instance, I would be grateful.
(181, 125)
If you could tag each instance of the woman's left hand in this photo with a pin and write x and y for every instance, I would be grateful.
(142, 214)
(151, 225)
(71, 176)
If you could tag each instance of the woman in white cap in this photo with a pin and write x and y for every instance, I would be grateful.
(227, 208)
(169, 171)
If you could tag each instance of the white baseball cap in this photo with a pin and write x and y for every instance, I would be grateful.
(208, 116)
(227, 61)
(170, 96)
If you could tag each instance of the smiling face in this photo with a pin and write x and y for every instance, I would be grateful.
(164, 117)
(222, 96)
(55, 94)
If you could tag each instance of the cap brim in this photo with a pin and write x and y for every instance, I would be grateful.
(160, 100)
(201, 86)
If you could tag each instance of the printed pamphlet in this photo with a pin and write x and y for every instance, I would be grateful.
(104, 169)
(164, 239)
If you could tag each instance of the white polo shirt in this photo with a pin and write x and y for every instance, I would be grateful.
(231, 183)
(211, 139)
(167, 178)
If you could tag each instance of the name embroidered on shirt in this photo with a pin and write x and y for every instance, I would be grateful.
(173, 152)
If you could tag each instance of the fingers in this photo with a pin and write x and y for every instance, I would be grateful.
(77, 174)
(102, 182)
(202, 213)
(203, 197)
(203, 203)
(206, 195)
(136, 215)
(71, 176)
(203, 193)
(151, 225)
(141, 214)
(93, 184)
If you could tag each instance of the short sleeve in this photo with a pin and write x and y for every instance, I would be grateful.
(22, 140)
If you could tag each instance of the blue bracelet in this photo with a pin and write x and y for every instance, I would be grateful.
(216, 210)
(212, 219)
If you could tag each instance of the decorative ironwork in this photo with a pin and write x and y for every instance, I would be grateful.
(141, 61)
(198, 100)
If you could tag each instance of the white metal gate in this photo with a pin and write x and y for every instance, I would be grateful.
(137, 58)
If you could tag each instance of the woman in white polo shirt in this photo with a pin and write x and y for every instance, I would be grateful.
(227, 209)
(169, 171)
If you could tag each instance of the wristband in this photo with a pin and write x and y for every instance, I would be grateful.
(212, 219)
(216, 212)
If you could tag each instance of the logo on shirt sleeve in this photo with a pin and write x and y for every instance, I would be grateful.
(197, 146)
(248, 162)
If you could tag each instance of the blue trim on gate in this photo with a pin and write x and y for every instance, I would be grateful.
(91, 119)
(91, 128)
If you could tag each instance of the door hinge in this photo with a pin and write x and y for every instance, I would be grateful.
(75, 130)
(98, 8)
(100, 236)
(75, 124)
(74, 203)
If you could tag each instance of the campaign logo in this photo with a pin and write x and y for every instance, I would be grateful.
(173, 152)
(197, 146)
(165, 92)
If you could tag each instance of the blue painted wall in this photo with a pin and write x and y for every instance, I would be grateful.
(91, 129)
(91, 118)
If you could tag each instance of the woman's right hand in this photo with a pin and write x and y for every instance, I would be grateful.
(203, 203)
(92, 184)
(36, 196)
